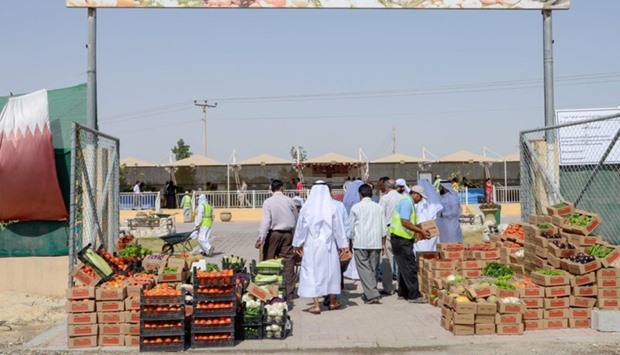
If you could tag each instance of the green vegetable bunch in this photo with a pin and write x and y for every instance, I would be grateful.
(599, 251)
(551, 272)
(578, 219)
(132, 250)
(498, 271)
(505, 285)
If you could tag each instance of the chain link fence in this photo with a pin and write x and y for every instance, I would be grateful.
(576, 162)
(94, 191)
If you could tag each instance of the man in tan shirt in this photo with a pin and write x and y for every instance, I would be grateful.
(275, 234)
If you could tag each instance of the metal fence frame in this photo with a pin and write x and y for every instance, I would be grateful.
(545, 181)
(94, 192)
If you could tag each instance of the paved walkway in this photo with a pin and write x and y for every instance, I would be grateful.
(395, 324)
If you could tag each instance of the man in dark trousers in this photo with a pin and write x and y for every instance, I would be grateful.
(275, 234)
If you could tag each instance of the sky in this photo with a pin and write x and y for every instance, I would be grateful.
(326, 80)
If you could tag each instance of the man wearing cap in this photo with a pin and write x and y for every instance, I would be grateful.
(186, 204)
(403, 231)
(275, 234)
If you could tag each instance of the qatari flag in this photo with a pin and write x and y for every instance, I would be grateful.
(29, 189)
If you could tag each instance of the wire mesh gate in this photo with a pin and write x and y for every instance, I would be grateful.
(94, 191)
(577, 162)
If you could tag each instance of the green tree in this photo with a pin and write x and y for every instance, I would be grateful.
(181, 151)
(302, 153)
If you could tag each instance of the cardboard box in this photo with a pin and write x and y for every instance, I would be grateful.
(131, 329)
(84, 278)
(580, 269)
(612, 257)
(465, 307)
(607, 303)
(430, 226)
(110, 295)
(154, 262)
(452, 255)
(450, 246)
(80, 306)
(472, 264)
(110, 306)
(179, 276)
(550, 280)
(579, 323)
(610, 273)
(517, 269)
(582, 280)
(554, 261)
(581, 240)
(111, 329)
(133, 317)
(501, 293)
(461, 329)
(484, 329)
(132, 340)
(510, 329)
(532, 303)
(111, 340)
(75, 330)
(506, 308)
(547, 227)
(582, 302)
(555, 323)
(485, 319)
(471, 274)
(446, 312)
(535, 313)
(439, 264)
(554, 303)
(510, 318)
(132, 303)
(80, 293)
(586, 230)
(181, 263)
(533, 324)
(555, 313)
(579, 313)
(445, 324)
(585, 291)
(541, 252)
(608, 293)
(564, 209)
(540, 241)
(462, 318)
(258, 292)
(82, 342)
(561, 253)
(110, 317)
(532, 292)
(486, 308)
(486, 255)
(558, 221)
(538, 262)
(557, 291)
(480, 291)
(608, 283)
(82, 318)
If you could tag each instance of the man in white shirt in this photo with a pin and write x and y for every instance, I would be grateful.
(388, 201)
(136, 197)
(368, 233)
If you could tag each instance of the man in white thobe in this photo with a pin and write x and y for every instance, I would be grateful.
(320, 238)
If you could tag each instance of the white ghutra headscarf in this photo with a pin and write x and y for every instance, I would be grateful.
(317, 212)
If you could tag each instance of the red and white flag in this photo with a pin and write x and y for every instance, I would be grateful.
(29, 189)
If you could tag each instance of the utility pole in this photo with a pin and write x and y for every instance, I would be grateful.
(204, 106)
(393, 140)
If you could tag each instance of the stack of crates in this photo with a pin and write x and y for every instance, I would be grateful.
(162, 323)
(215, 308)
(261, 276)
(251, 326)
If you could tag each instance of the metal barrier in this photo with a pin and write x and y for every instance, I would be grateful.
(141, 201)
(507, 194)
(577, 162)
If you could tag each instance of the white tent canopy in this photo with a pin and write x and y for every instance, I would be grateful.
(516, 156)
(265, 159)
(196, 160)
(331, 157)
(398, 158)
(134, 162)
(464, 156)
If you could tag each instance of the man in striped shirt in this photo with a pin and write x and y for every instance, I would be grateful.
(368, 233)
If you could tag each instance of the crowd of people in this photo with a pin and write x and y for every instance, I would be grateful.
(376, 236)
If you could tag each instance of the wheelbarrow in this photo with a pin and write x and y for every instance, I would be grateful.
(181, 240)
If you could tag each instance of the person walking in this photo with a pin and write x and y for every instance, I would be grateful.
(186, 205)
(403, 229)
(275, 234)
(203, 223)
(390, 198)
(320, 240)
(136, 196)
(448, 219)
(488, 190)
(368, 234)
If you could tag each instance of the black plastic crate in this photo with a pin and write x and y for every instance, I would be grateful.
(199, 296)
(213, 328)
(282, 334)
(162, 347)
(251, 332)
(177, 330)
(215, 313)
(161, 300)
(279, 320)
(252, 320)
(154, 315)
(213, 281)
(212, 343)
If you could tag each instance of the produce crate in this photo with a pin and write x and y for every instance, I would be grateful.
(214, 312)
(252, 332)
(214, 281)
(162, 347)
(162, 315)
(162, 300)
(158, 332)
(561, 209)
(252, 320)
(83, 258)
(279, 320)
(213, 328)
(196, 343)
(586, 229)
(281, 335)
(229, 292)
(254, 269)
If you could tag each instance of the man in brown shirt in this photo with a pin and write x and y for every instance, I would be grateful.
(275, 234)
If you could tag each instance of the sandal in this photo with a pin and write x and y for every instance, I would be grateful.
(314, 310)
(334, 306)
